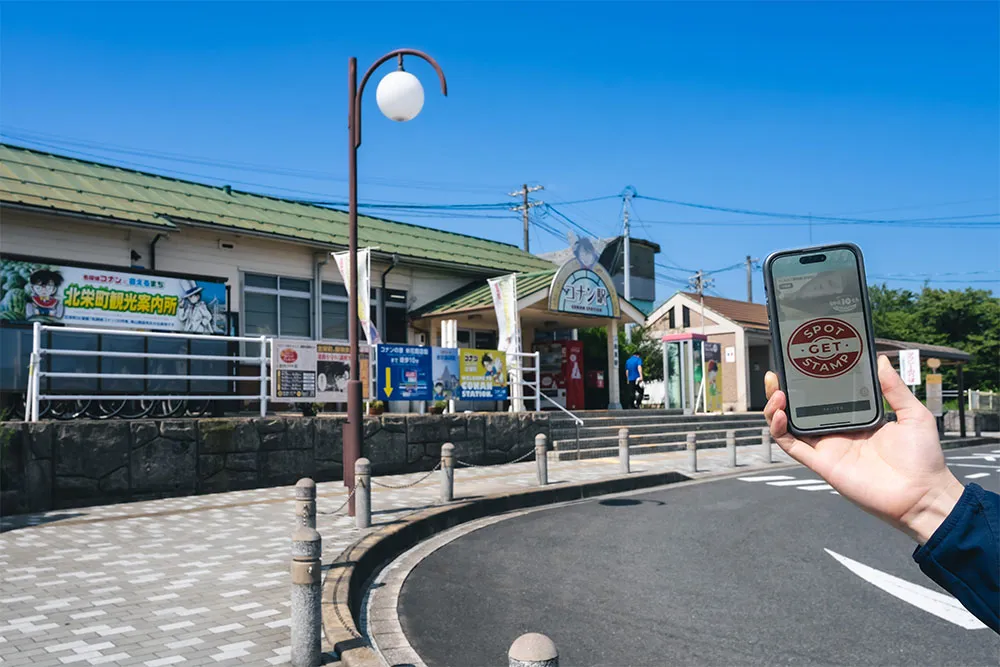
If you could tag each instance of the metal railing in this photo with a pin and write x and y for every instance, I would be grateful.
(515, 375)
(39, 353)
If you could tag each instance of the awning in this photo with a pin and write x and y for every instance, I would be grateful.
(891, 348)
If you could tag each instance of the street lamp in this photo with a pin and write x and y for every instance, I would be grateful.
(400, 97)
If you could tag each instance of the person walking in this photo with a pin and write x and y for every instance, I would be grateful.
(633, 374)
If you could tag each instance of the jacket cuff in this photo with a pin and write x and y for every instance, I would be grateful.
(971, 498)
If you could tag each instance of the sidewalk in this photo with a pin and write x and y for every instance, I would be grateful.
(203, 580)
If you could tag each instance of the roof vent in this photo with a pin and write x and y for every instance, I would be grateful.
(228, 189)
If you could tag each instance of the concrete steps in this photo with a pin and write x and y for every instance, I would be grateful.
(703, 431)
(646, 427)
(716, 442)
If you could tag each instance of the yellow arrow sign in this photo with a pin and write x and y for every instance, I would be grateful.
(388, 381)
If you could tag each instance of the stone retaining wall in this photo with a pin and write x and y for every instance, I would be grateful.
(53, 465)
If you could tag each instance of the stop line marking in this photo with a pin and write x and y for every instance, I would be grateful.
(788, 480)
(977, 475)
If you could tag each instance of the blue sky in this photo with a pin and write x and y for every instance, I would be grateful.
(872, 110)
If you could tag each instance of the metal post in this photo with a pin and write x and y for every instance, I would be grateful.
(692, 447)
(623, 463)
(363, 493)
(305, 503)
(307, 549)
(538, 381)
(352, 429)
(533, 650)
(765, 444)
(577, 440)
(542, 459)
(36, 355)
(731, 447)
(977, 424)
(263, 377)
(447, 472)
(961, 402)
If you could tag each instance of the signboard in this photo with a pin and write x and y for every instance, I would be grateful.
(825, 347)
(730, 355)
(333, 371)
(404, 373)
(934, 394)
(713, 377)
(293, 370)
(444, 373)
(582, 286)
(482, 375)
(32, 291)
(909, 367)
(343, 260)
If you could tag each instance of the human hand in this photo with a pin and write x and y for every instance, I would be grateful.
(896, 472)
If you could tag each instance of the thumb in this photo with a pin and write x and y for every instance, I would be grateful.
(900, 398)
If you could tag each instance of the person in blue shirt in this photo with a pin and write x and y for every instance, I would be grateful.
(633, 374)
(897, 473)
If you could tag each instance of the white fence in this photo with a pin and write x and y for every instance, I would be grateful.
(984, 401)
(40, 367)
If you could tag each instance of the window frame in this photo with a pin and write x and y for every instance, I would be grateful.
(277, 293)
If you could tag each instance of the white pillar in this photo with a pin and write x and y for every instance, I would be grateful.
(614, 391)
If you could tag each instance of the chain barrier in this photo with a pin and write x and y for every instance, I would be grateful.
(502, 463)
(349, 496)
(406, 486)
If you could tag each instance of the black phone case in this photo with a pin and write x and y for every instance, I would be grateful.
(778, 348)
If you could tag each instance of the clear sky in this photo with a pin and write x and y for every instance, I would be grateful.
(871, 110)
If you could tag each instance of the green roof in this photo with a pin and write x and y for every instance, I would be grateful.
(54, 182)
(478, 296)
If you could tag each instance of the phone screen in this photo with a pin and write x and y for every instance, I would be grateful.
(824, 339)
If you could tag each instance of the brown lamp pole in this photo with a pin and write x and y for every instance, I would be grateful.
(353, 429)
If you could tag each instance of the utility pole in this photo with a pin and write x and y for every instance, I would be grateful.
(750, 264)
(700, 283)
(525, 207)
(627, 194)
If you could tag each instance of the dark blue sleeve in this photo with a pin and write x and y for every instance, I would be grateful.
(963, 554)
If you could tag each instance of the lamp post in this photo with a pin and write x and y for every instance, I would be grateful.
(400, 97)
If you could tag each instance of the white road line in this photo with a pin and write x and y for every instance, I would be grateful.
(795, 482)
(765, 478)
(973, 465)
(977, 475)
(817, 487)
(974, 457)
(941, 605)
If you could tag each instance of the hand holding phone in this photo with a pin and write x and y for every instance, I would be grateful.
(896, 472)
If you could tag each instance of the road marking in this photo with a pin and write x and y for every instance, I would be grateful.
(943, 606)
(974, 457)
(816, 487)
(795, 482)
(973, 465)
(977, 475)
(765, 478)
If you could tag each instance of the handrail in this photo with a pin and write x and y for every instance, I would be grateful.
(576, 420)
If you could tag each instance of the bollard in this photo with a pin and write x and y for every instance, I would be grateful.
(542, 459)
(307, 549)
(692, 447)
(623, 462)
(977, 425)
(533, 650)
(731, 447)
(940, 426)
(363, 493)
(447, 472)
(305, 503)
(765, 444)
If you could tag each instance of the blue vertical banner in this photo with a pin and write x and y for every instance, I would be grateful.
(403, 373)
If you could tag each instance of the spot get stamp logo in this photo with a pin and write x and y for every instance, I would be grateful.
(825, 348)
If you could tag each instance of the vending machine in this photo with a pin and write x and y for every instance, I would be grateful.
(562, 373)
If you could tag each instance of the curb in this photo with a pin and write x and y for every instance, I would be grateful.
(343, 587)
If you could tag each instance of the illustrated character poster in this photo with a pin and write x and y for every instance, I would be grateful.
(444, 373)
(333, 371)
(482, 375)
(31, 291)
(713, 377)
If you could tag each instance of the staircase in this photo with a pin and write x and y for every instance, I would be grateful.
(650, 431)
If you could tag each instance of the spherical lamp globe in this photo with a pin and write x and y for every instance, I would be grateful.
(400, 96)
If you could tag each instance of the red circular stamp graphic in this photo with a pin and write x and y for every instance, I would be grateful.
(825, 347)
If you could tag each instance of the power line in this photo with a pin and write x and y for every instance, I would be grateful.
(933, 280)
(526, 206)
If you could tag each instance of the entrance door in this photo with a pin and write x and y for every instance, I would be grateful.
(760, 363)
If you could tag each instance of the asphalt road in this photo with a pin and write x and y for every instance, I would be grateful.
(728, 572)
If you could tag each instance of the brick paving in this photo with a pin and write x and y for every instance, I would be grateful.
(203, 580)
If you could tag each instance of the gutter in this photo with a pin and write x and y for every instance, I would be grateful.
(318, 291)
(392, 265)
(152, 251)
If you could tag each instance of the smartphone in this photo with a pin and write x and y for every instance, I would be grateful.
(822, 338)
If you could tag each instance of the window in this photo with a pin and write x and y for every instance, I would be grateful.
(395, 327)
(477, 340)
(685, 316)
(276, 306)
(671, 320)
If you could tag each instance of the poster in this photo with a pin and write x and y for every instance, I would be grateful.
(293, 370)
(504, 291)
(444, 373)
(343, 260)
(482, 375)
(35, 291)
(935, 394)
(333, 371)
(404, 372)
(713, 377)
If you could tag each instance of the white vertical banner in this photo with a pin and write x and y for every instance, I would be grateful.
(343, 260)
(504, 292)
(909, 367)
